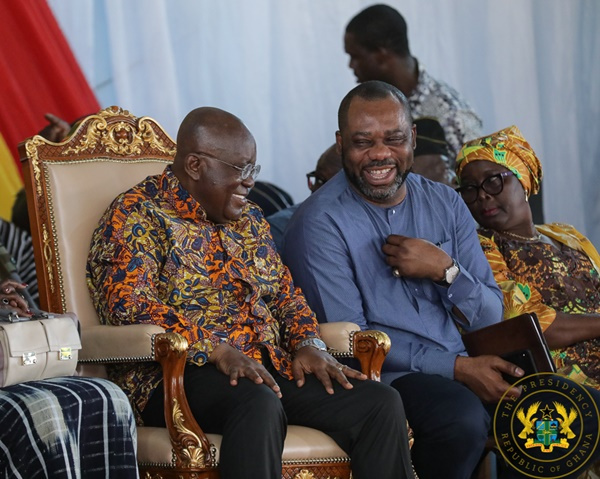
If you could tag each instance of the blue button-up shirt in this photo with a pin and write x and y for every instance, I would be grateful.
(333, 248)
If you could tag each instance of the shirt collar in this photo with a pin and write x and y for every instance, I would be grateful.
(181, 200)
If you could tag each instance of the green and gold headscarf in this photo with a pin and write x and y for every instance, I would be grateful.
(508, 148)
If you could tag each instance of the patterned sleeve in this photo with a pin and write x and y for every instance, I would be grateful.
(123, 276)
(519, 298)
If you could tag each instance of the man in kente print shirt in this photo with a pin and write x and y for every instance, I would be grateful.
(187, 251)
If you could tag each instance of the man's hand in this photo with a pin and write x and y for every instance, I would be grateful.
(57, 129)
(483, 376)
(416, 258)
(309, 360)
(10, 297)
(237, 365)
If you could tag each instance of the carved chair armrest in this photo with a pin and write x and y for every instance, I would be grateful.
(144, 342)
(346, 340)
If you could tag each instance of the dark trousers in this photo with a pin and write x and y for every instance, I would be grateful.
(368, 422)
(450, 425)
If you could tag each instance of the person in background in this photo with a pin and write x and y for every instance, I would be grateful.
(186, 250)
(393, 251)
(551, 270)
(56, 130)
(328, 165)
(376, 40)
(431, 153)
(16, 255)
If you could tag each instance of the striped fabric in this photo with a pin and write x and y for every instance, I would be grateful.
(19, 245)
(70, 427)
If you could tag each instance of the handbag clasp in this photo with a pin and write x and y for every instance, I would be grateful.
(64, 354)
(29, 359)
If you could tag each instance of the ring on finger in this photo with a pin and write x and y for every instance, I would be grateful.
(5, 300)
(340, 367)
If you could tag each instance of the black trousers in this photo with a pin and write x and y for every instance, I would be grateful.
(368, 422)
(450, 424)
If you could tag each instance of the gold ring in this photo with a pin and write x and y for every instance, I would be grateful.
(340, 367)
(396, 272)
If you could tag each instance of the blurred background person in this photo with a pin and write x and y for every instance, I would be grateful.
(376, 40)
(329, 163)
(431, 154)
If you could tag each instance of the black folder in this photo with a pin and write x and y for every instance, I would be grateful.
(510, 336)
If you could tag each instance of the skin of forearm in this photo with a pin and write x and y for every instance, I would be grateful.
(568, 329)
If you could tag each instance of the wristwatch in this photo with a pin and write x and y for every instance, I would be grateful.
(313, 342)
(450, 274)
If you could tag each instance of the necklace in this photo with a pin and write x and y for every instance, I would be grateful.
(536, 237)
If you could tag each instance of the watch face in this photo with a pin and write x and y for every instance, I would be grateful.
(452, 273)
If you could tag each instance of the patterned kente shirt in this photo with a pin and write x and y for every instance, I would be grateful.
(436, 99)
(155, 258)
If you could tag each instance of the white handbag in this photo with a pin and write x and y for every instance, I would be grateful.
(39, 347)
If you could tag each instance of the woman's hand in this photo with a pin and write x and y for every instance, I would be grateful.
(11, 299)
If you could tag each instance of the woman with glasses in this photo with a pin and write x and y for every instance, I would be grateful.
(551, 270)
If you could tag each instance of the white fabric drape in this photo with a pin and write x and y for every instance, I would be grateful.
(280, 66)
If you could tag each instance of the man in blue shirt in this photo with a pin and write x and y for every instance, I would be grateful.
(399, 253)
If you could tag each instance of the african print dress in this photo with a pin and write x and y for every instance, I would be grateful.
(537, 277)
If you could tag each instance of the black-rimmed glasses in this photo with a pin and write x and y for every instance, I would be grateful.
(246, 171)
(315, 181)
(492, 185)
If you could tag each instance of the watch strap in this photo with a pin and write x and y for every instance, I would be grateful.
(313, 342)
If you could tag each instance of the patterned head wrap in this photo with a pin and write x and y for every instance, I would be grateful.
(508, 148)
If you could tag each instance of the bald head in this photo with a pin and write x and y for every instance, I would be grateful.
(329, 163)
(214, 148)
(211, 128)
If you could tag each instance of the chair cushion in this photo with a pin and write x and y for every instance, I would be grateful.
(154, 446)
(310, 444)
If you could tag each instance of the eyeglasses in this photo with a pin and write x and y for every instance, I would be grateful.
(492, 185)
(246, 171)
(315, 181)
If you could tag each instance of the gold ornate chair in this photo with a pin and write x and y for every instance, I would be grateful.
(69, 185)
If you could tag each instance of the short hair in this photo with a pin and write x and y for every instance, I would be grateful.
(380, 26)
(372, 90)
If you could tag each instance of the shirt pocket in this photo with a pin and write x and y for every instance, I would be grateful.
(448, 247)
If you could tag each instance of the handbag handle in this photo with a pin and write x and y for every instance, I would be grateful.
(8, 315)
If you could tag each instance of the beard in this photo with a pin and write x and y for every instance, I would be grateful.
(376, 194)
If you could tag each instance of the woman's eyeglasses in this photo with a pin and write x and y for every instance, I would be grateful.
(492, 185)
(314, 181)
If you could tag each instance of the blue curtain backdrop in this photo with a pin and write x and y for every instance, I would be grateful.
(280, 66)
